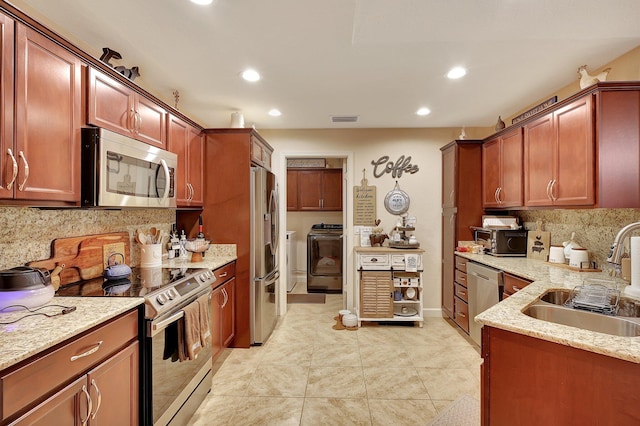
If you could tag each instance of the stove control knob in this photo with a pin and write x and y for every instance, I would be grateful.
(170, 294)
(161, 299)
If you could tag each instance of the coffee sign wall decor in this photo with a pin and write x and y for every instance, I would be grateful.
(402, 165)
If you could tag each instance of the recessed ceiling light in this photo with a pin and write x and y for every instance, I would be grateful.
(456, 72)
(202, 2)
(275, 112)
(423, 111)
(250, 75)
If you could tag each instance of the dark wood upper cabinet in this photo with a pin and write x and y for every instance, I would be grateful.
(187, 142)
(114, 106)
(314, 190)
(47, 120)
(559, 157)
(502, 173)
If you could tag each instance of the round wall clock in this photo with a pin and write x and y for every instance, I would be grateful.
(397, 201)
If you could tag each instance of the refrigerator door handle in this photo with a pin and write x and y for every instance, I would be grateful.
(271, 278)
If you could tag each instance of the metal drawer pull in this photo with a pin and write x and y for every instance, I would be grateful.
(463, 293)
(15, 169)
(26, 171)
(223, 275)
(94, 384)
(89, 352)
(89, 405)
(462, 315)
(515, 288)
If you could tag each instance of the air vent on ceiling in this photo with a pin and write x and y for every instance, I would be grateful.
(344, 118)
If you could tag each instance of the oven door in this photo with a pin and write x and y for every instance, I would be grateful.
(175, 388)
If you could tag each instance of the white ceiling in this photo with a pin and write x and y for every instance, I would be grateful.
(378, 59)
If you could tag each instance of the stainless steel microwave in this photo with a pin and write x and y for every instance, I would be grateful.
(121, 172)
(502, 242)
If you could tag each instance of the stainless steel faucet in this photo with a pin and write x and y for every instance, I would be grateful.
(617, 248)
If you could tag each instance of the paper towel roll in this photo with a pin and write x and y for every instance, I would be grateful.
(634, 288)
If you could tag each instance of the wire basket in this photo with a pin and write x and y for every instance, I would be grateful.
(595, 297)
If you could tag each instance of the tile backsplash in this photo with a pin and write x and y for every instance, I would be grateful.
(595, 228)
(26, 233)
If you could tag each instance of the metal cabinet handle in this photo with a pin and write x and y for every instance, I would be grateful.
(549, 190)
(224, 274)
(495, 195)
(500, 195)
(132, 120)
(226, 297)
(553, 184)
(462, 293)
(138, 122)
(26, 171)
(89, 405)
(95, 385)
(15, 169)
(87, 353)
(193, 192)
(515, 288)
(462, 314)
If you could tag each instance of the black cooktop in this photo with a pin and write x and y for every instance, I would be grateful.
(140, 282)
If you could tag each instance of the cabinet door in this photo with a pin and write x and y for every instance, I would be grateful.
(149, 121)
(6, 105)
(574, 182)
(66, 407)
(178, 144)
(309, 189)
(114, 389)
(48, 114)
(332, 190)
(539, 160)
(449, 177)
(196, 165)
(511, 175)
(491, 159)
(111, 104)
(228, 312)
(448, 242)
(376, 294)
(292, 190)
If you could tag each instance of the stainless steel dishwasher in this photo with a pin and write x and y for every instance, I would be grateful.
(483, 284)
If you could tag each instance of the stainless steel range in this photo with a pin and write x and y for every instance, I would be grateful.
(171, 390)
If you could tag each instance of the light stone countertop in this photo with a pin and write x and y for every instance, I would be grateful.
(507, 315)
(32, 335)
(35, 334)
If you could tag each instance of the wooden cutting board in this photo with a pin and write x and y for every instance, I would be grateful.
(538, 243)
(86, 257)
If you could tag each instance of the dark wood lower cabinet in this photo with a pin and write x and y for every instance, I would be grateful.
(529, 381)
(223, 307)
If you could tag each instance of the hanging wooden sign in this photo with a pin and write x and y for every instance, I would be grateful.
(364, 201)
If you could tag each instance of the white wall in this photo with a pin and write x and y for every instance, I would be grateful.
(424, 187)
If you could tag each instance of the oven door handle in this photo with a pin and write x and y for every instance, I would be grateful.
(157, 327)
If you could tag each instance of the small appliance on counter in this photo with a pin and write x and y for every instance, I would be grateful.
(24, 286)
(501, 236)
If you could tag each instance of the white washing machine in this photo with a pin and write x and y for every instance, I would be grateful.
(291, 259)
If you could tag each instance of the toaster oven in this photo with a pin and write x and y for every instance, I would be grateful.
(502, 242)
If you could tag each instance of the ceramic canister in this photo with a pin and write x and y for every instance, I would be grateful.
(556, 254)
(578, 257)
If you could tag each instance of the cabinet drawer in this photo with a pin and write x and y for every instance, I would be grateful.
(461, 292)
(374, 261)
(39, 378)
(461, 277)
(398, 261)
(224, 273)
(461, 264)
(513, 284)
(461, 314)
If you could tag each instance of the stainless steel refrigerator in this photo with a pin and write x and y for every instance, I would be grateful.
(264, 254)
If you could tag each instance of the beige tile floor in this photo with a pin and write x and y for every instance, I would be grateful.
(307, 373)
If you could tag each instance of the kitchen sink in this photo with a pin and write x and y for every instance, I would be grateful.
(617, 326)
(550, 307)
(626, 307)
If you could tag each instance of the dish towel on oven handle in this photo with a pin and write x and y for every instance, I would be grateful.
(205, 320)
(192, 343)
(411, 262)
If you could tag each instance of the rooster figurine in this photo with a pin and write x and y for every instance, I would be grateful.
(587, 80)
